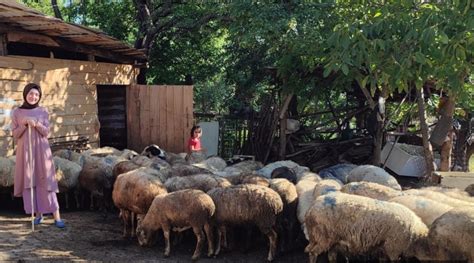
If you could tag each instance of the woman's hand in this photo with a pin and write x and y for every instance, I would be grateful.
(31, 122)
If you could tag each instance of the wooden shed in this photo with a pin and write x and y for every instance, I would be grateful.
(87, 80)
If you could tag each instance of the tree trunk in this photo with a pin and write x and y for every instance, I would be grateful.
(446, 149)
(429, 175)
(378, 140)
(460, 159)
(57, 12)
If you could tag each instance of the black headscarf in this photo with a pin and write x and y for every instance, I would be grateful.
(27, 89)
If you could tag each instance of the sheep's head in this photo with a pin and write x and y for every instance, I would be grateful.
(146, 237)
(154, 150)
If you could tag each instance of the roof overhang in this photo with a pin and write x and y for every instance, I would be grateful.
(22, 24)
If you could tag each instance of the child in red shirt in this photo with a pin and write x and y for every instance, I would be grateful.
(194, 142)
(195, 152)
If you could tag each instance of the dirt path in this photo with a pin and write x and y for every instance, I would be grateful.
(90, 237)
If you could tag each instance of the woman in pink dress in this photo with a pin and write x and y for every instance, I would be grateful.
(44, 182)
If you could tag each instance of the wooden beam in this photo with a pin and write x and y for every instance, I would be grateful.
(57, 41)
(32, 38)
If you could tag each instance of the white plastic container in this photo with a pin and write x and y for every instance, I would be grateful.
(401, 161)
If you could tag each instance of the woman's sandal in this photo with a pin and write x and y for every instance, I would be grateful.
(37, 220)
(59, 223)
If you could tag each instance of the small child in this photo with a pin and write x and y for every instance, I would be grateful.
(194, 142)
(195, 152)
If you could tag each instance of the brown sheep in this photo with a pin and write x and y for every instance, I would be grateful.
(180, 209)
(247, 203)
(133, 194)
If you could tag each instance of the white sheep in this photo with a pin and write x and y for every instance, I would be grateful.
(203, 182)
(185, 208)
(452, 192)
(439, 197)
(451, 238)
(102, 152)
(67, 175)
(244, 204)
(133, 194)
(359, 225)
(213, 164)
(374, 174)
(428, 210)
(71, 156)
(248, 166)
(326, 186)
(372, 190)
(305, 188)
(7, 171)
(308, 176)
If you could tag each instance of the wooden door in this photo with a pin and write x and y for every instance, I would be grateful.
(161, 115)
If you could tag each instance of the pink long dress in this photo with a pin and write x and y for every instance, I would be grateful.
(45, 185)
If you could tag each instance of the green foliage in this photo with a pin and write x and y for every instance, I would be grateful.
(318, 51)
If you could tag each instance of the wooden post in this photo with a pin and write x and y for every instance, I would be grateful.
(429, 174)
(283, 116)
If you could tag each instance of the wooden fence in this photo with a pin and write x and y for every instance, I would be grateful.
(161, 115)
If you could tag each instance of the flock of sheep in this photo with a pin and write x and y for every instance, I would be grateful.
(358, 211)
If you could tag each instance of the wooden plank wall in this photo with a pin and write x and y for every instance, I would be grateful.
(161, 115)
(69, 93)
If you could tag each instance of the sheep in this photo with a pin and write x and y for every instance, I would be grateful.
(286, 220)
(325, 186)
(358, 225)
(153, 162)
(372, 190)
(128, 154)
(93, 179)
(308, 176)
(428, 210)
(213, 164)
(71, 156)
(154, 150)
(248, 166)
(185, 170)
(123, 167)
(7, 171)
(452, 192)
(450, 238)
(248, 178)
(247, 203)
(133, 193)
(284, 172)
(203, 182)
(102, 152)
(439, 197)
(183, 208)
(267, 170)
(339, 171)
(470, 189)
(96, 177)
(370, 173)
(195, 157)
(304, 189)
(67, 175)
(173, 158)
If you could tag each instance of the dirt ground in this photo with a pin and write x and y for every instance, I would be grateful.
(88, 236)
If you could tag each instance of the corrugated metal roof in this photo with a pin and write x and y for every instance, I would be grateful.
(18, 16)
